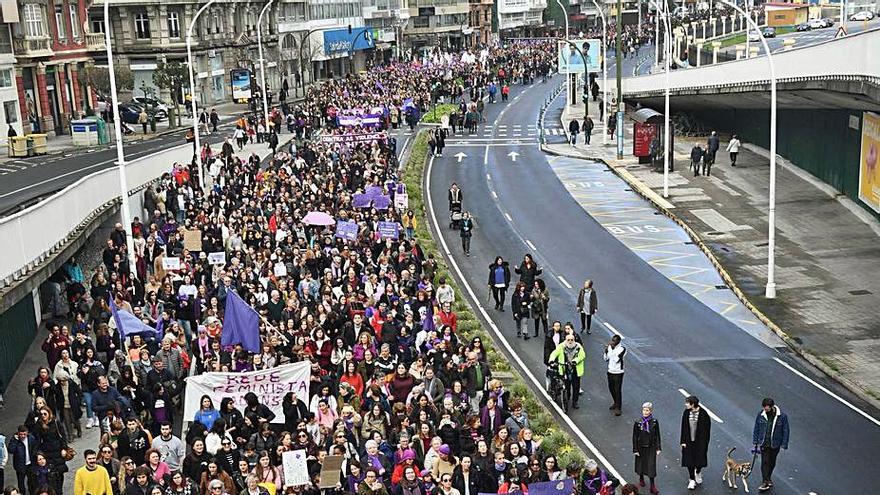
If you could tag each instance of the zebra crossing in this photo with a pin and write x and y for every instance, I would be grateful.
(489, 132)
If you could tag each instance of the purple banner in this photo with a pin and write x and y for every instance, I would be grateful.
(381, 202)
(358, 116)
(361, 201)
(374, 191)
(388, 230)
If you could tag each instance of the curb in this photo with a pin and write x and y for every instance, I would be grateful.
(799, 349)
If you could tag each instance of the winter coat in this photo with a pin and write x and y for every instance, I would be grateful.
(558, 355)
(646, 443)
(588, 307)
(519, 304)
(778, 430)
(506, 266)
(540, 300)
(527, 274)
(695, 453)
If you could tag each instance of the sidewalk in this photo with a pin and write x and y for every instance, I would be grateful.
(17, 400)
(827, 250)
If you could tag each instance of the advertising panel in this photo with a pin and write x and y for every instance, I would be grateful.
(340, 40)
(869, 169)
(571, 61)
(241, 85)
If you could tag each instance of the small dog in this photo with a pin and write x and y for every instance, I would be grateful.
(734, 469)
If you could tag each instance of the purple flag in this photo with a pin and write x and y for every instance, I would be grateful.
(127, 323)
(241, 324)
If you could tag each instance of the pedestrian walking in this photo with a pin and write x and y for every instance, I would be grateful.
(528, 270)
(712, 145)
(441, 140)
(273, 141)
(570, 357)
(215, 120)
(612, 125)
(733, 149)
(143, 120)
(454, 195)
(574, 128)
(646, 446)
(239, 137)
(587, 305)
(697, 154)
(519, 304)
(204, 120)
(499, 280)
(588, 129)
(613, 355)
(695, 430)
(540, 306)
(466, 230)
(769, 436)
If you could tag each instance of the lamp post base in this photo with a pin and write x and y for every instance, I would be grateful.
(770, 290)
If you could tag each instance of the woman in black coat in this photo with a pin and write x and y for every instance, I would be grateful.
(528, 270)
(646, 445)
(520, 304)
(499, 281)
(695, 430)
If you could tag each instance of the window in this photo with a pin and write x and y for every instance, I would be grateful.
(421, 21)
(59, 22)
(33, 20)
(97, 24)
(215, 21)
(5, 78)
(142, 26)
(9, 108)
(173, 24)
(5, 41)
(74, 21)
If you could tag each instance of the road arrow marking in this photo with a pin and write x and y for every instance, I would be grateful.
(513, 155)
(460, 156)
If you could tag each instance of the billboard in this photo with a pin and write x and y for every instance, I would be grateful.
(241, 85)
(571, 61)
(869, 169)
(340, 40)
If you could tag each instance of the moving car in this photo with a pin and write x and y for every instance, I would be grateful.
(817, 24)
(805, 26)
(129, 113)
(864, 15)
(754, 36)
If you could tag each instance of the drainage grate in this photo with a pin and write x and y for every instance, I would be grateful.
(715, 233)
(721, 287)
(628, 189)
(657, 213)
(762, 244)
(689, 243)
(860, 292)
(726, 250)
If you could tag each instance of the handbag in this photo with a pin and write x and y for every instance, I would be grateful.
(69, 453)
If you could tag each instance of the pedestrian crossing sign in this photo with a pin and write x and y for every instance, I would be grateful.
(841, 32)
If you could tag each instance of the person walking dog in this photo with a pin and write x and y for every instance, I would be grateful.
(769, 436)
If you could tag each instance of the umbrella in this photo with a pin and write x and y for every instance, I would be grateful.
(318, 218)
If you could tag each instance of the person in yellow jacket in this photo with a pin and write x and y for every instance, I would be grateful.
(572, 353)
(92, 479)
(409, 224)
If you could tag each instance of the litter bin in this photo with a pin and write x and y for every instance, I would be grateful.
(84, 132)
(18, 147)
(39, 144)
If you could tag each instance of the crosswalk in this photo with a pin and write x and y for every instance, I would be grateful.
(528, 132)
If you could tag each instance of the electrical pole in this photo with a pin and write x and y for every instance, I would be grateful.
(619, 56)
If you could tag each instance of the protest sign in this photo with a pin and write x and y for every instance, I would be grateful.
(388, 230)
(401, 200)
(354, 138)
(280, 270)
(359, 116)
(559, 487)
(269, 385)
(171, 263)
(346, 230)
(381, 202)
(374, 191)
(218, 258)
(361, 201)
(330, 470)
(192, 240)
(296, 471)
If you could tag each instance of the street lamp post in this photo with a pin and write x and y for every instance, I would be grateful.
(120, 155)
(192, 90)
(604, 72)
(262, 67)
(619, 110)
(770, 290)
(667, 40)
(568, 78)
(302, 67)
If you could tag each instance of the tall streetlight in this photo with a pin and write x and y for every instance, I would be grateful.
(192, 86)
(604, 70)
(262, 67)
(568, 78)
(619, 110)
(770, 290)
(667, 41)
(120, 155)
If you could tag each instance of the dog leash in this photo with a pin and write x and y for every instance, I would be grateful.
(755, 451)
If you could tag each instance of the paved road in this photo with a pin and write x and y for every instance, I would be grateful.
(676, 341)
(806, 38)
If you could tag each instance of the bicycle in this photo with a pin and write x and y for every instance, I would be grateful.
(557, 389)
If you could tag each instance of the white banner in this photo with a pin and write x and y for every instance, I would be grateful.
(296, 470)
(270, 386)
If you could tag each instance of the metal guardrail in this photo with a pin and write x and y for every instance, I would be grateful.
(544, 106)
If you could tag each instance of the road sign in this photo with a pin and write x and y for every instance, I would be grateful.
(841, 32)
(513, 155)
(460, 156)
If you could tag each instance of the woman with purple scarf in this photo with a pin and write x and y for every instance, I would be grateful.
(646, 445)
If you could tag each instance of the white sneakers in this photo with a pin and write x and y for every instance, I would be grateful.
(698, 478)
(91, 423)
(692, 485)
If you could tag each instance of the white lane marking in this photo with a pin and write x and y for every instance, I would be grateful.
(702, 406)
(487, 177)
(613, 330)
(832, 394)
(486, 156)
(532, 246)
(53, 179)
(405, 144)
(509, 218)
(564, 282)
(538, 384)
(494, 194)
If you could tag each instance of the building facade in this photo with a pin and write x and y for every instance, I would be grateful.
(480, 22)
(10, 110)
(437, 23)
(518, 18)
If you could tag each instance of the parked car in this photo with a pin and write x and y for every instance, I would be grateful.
(152, 102)
(804, 26)
(128, 113)
(754, 36)
(864, 15)
(769, 32)
(156, 113)
(828, 22)
(817, 24)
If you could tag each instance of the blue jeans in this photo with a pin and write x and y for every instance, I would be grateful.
(187, 329)
(408, 233)
(88, 399)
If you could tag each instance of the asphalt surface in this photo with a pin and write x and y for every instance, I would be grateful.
(676, 342)
(806, 38)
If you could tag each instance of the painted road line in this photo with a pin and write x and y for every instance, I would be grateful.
(532, 246)
(611, 327)
(537, 384)
(486, 156)
(564, 282)
(487, 177)
(508, 217)
(702, 406)
(494, 194)
(832, 394)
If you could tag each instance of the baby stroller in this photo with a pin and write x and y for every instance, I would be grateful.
(455, 217)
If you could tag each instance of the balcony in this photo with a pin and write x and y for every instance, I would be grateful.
(95, 42)
(32, 47)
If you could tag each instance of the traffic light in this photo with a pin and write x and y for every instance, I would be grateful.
(585, 98)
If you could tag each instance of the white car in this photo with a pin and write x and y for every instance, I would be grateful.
(864, 15)
(817, 24)
(754, 36)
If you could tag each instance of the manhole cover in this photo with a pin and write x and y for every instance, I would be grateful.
(860, 292)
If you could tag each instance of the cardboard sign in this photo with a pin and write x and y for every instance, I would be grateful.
(388, 230)
(401, 201)
(171, 263)
(280, 269)
(381, 202)
(296, 471)
(192, 240)
(361, 201)
(331, 470)
(218, 258)
(346, 230)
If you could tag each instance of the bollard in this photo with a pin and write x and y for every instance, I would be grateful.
(716, 45)
(740, 49)
(788, 44)
(753, 51)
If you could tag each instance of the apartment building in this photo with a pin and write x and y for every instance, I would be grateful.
(433, 23)
(520, 17)
(480, 23)
(10, 112)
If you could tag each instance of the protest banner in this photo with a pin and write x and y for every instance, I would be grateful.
(218, 258)
(361, 200)
(346, 230)
(358, 116)
(270, 386)
(401, 200)
(192, 240)
(296, 471)
(381, 202)
(388, 230)
(560, 487)
(374, 191)
(330, 469)
(171, 263)
(354, 138)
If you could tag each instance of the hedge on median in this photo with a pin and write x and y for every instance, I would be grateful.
(433, 115)
(554, 440)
